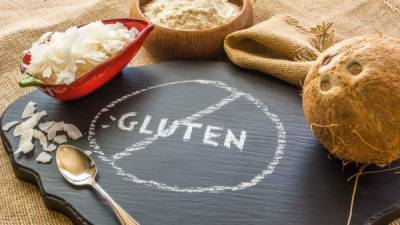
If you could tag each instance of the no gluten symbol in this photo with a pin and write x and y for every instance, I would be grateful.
(231, 140)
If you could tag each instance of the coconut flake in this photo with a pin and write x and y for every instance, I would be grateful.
(60, 139)
(54, 128)
(9, 125)
(45, 126)
(30, 108)
(72, 131)
(25, 148)
(104, 126)
(45, 37)
(50, 148)
(26, 130)
(37, 134)
(60, 55)
(43, 157)
(113, 118)
(47, 72)
(29, 123)
(65, 77)
(25, 144)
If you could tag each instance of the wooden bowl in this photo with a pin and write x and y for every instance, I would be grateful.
(207, 43)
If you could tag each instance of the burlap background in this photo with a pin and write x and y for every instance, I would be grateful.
(22, 21)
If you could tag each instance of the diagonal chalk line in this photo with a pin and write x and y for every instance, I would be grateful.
(235, 94)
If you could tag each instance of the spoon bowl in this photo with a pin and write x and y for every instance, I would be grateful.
(80, 169)
(75, 166)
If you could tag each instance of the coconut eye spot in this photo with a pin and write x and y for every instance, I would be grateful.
(327, 59)
(355, 68)
(328, 62)
(325, 84)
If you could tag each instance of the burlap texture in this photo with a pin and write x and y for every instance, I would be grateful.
(23, 21)
(279, 46)
(284, 47)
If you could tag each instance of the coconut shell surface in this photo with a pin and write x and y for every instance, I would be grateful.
(351, 99)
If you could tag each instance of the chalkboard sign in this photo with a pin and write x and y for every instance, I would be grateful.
(200, 142)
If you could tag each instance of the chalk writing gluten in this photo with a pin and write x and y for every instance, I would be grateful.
(210, 133)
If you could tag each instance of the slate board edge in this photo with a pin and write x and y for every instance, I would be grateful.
(29, 175)
(58, 204)
(385, 216)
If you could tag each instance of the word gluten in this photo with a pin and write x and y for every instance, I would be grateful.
(210, 133)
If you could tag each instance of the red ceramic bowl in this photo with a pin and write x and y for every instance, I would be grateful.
(102, 73)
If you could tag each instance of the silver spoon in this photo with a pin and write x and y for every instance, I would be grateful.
(80, 170)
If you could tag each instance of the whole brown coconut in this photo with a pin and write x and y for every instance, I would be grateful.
(351, 99)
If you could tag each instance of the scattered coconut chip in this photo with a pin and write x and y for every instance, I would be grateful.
(43, 157)
(9, 125)
(25, 144)
(26, 137)
(29, 123)
(30, 108)
(104, 126)
(37, 134)
(27, 132)
(52, 131)
(88, 153)
(25, 149)
(72, 131)
(113, 118)
(50, 148)
(45, 126)
(60, 139)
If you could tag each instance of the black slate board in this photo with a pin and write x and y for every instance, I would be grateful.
(189, 182)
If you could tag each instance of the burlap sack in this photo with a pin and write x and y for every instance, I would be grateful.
(279, 46)
(23, 21)
(284, 47)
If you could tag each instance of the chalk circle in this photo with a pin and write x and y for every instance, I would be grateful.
(269, 169)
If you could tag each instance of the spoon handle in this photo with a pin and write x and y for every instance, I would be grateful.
(123, 217)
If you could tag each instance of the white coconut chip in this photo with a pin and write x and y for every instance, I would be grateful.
(113, 118)
(104, 126)
(9, 125)
(62, 54)
(30, 108)
(72, 131)
(60, 139)
(25, 144)
(88, 153)
(25, 149)
(54, 128)
(37, 134)
(50, 148)
(29, 123)
(43, 157)
(45, 126)
(27, 132)
(44, 37)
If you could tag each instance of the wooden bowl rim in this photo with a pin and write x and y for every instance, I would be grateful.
(245, 6)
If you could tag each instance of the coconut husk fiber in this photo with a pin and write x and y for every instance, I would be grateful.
(23, 21)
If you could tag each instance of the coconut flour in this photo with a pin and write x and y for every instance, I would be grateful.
(190, 14)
